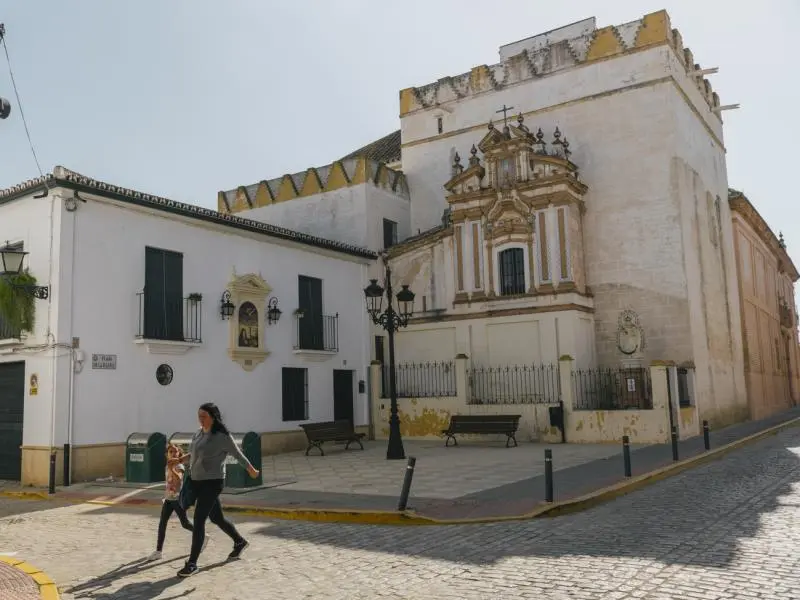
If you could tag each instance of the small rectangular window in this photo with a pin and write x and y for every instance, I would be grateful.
(439, 124)
(295, 393)
(389, 233)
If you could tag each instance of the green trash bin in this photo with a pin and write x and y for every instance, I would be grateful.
(145, 457)
(236, 475)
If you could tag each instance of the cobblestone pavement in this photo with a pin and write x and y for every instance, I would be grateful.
(16, 585)
(727, 530)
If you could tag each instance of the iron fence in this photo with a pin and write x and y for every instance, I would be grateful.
(315, 331)
(173, 319)
(612, 389)
(517, 384)
(421, 380)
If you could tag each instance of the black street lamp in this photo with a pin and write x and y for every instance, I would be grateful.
(391, 320)
(11, 265)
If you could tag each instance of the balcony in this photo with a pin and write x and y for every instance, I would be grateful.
(316, 336)
(168, 326)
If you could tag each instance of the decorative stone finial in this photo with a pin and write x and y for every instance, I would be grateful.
(558, 145)
(781, 241)
(540, 142)
(474, 160)
(491, 125)
(567, 151)
(457, 166)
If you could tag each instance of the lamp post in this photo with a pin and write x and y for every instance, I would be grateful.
(11, 265)
(391, 320)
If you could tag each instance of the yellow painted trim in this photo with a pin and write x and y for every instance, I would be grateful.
(409, 517)
(263, 195)
(362, 172)
(655, 29)
(406, 100)
(222, 204)
(337, 177)
(286, 191)
(606, 42)
(47, 588)
(312, 184)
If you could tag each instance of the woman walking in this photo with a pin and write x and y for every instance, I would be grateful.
(209, 447)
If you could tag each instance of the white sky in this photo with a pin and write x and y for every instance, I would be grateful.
(188, 97)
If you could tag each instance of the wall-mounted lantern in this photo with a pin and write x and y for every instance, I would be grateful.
(226, 307)
(273, 312)
(11, 259)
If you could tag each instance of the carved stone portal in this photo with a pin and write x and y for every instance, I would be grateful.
(246, 344)
(630, 335)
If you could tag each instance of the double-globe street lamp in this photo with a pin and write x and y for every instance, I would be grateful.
(391, 320)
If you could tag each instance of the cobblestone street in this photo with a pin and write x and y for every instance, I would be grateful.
(727, 530)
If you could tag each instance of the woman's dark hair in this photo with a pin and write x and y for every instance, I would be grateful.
(213, 412)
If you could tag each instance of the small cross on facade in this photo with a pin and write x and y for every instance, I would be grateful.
(505, 110)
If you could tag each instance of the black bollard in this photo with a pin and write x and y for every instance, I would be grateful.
(66, 465)
(706, 439)
(401, 506)
(52, 483)
(548, 475)
(626, 454)
(675, 443)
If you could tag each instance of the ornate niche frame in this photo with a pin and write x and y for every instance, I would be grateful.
(247, 325)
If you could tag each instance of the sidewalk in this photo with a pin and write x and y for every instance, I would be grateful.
(471, 481)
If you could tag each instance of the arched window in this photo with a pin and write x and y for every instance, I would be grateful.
(512, 271)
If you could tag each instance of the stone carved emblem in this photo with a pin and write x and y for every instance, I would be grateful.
(630, 335)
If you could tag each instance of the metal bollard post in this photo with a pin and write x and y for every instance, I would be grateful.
(675, 443)
(66, 464)
(401, 506)
(548, 475)
(52, 483)
(626, 454)
(706, 439)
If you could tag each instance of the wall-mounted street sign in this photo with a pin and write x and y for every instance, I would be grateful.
(104, 361)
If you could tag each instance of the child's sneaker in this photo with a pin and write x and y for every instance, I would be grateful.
(154, 556)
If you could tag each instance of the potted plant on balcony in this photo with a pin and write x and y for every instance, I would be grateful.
(17, 307)
(299, 313)
(195, 297)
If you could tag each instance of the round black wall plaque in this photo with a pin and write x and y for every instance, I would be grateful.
(164, 374)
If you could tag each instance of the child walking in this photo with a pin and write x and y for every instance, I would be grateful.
(173, 480)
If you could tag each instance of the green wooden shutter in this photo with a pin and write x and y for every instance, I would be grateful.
(163, 294)
(173, 294)
(154, 318)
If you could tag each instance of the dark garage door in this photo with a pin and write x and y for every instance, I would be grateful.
(12, 400)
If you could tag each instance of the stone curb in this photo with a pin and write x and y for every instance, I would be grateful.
(47, 588)
(409, 517)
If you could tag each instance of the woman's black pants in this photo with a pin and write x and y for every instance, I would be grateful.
(207, 506)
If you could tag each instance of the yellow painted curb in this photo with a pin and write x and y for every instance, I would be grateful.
(409, 517)
(47, 589)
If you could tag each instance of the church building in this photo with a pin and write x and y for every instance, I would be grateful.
(570, 199)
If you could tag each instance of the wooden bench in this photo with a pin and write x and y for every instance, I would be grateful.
(482, 424)
(331, 431)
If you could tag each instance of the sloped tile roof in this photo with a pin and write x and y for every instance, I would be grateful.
(63, 177)
(385, 150)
